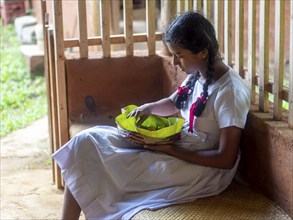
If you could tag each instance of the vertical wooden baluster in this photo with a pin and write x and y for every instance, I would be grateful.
(168, 13)
(95, 8)
(54, 94)
(264, 55)
(239, 37)
(180, 6)
(252, 47)
(60, 71)
(188, 5)
(105, 28)
(128, 25)
(197, 5)
(151, 25)
(61, 79)
(115, 16)
(83, 44)
(95, 20)
(207, 9)
(114, 22)
(47, 71)
(279, 58)
(218, 11)
(290, 118)
(228, 32)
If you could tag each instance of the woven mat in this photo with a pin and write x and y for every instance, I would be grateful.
(237, 202)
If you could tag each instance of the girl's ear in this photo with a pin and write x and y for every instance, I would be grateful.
(204, 53)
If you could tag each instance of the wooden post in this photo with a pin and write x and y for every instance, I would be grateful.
(115, 16)
(279, 58)
(128, 25)
(83, 45)
(47, 71)
(95, 21)
(95, 18)
(228, 32)
(252, 47)
(180, 5)
(290, 118)
(105, 32)
(168, 13)
(60, 71)
(114, 21)
(207, 9)
(151, 25)
(239, 37)
(264, 56)
(60, 76)
(197, 5)
(218, 11)
(53, 99)
(188, 5)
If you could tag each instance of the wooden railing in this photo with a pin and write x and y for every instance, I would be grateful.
(253, 36)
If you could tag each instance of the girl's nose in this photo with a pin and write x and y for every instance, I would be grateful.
(175, 61)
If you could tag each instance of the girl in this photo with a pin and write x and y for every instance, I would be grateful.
(108, 181)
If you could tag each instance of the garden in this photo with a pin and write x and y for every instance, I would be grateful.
(23, 97)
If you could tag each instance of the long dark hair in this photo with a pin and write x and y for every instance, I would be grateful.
(192, 31)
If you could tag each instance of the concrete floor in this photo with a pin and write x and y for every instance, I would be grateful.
(27, 190)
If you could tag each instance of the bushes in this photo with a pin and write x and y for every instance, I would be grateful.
(23, 99)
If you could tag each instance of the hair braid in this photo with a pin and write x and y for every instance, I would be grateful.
(201, 101)
(181, 98)
(210, 73)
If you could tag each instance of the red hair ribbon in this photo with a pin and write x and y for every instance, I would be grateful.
(183, 90)
(196, 109)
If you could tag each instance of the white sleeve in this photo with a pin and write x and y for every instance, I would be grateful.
(231, 106)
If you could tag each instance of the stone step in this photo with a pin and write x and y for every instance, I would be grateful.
(34, 58)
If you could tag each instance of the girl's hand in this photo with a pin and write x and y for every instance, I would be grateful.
(141, 112)
(142, 140)
(164, 148)
(136, 138)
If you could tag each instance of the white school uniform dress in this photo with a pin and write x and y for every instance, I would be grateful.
(112, 178)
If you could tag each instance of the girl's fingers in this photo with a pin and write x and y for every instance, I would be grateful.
(136, 138)
(141, 120)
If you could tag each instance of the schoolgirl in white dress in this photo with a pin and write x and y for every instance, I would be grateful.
(108, 176)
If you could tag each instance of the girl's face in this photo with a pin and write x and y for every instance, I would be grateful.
(188, 61)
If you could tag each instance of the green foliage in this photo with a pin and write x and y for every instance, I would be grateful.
(23, 99)
(285, 104)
